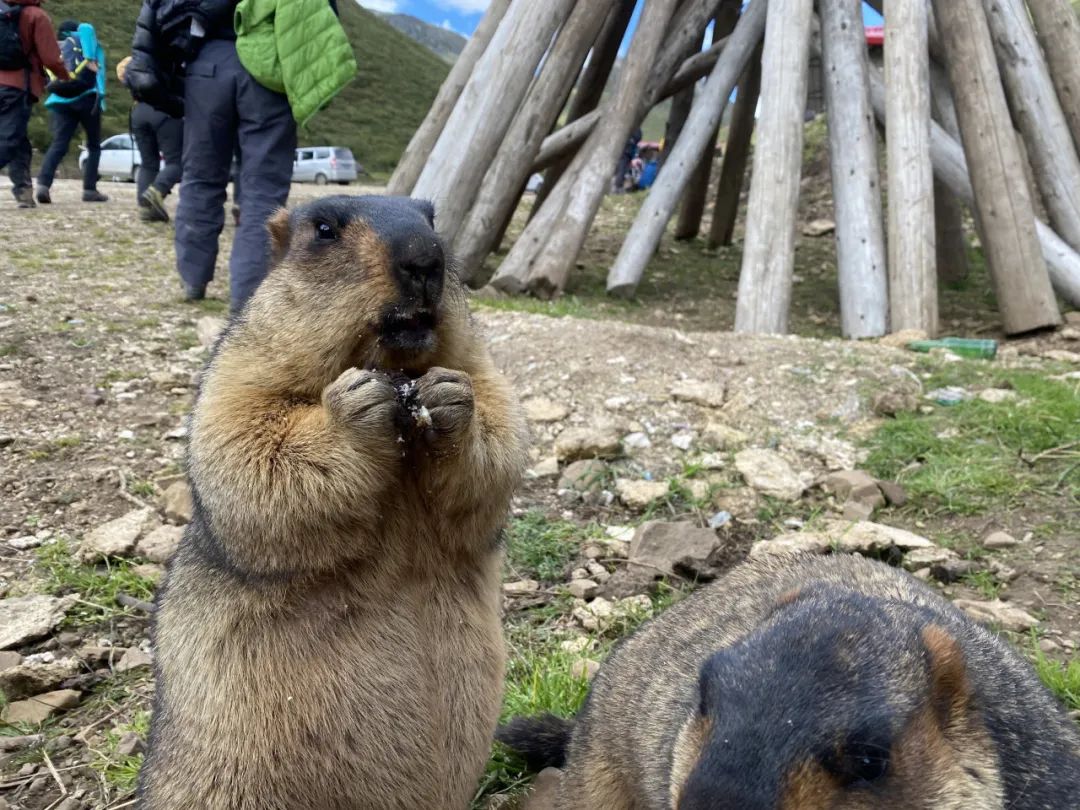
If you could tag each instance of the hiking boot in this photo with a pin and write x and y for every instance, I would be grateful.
(25, 197)
(93, 196)
(155, 210)
(43, 195)
(192, 293)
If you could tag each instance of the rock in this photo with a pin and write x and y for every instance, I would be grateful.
(596, 615)
(818, 227)
(584, 668)
(25, 542)
(36, 674)
(999, 540)
(768, 473)
(792, 543)
(582, 588)
(151, 571)
(855, 511)
(1073, 318)
(596, 572)
(698, 488)
(117, 537)
(521, 587)
(866, 537)
(900, 340)
(743, 502)
(848, 483)
(70, 803)
(159, 545)
(40, 708)
(658, 545)
(587, 475)
(26, 618)
(719, 519)
(1002, 614)
(580, 443)
(130, 744)
(1062, 356)
(541, 409)
(638, 494)
(953, 570)
(96, 656)
(892, 402)
(207, 329)
(718, 436)
(895, 495)
(920, 558)
(995, 396)
(544, 792)
(713, 461)
(577, 644)
(19, 743)
(637, 441)
(1069, 333)
(709, 395)
(176, 503)
(683, 440)
(9, 659)
(545, 468)
(134, 658)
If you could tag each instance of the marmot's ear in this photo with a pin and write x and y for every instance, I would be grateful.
(278, 225)
(950, 690)
(427, 208)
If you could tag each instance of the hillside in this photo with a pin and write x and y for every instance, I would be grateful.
(374, 116)
(445, 43)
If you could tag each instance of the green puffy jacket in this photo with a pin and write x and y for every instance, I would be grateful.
(295, 47)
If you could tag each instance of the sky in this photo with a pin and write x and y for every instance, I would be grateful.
(464, 15)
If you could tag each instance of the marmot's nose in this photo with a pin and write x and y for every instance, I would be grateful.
(420, 266)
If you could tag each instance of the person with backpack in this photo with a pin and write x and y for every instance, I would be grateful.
(160, 137)
(27, 48)
(77, 101)
(243, 85)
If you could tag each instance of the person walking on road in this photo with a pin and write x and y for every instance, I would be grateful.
(28, 47)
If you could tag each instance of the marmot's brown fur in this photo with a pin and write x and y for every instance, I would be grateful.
(328, 635)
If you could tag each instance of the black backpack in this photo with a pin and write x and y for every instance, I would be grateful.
(12, 55)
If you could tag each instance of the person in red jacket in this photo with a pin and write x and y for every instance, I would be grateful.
(22, 83)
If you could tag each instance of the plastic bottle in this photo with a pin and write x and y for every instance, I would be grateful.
(980, 348)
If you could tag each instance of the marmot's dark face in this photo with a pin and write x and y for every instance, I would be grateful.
(377, 257)
(833, 704)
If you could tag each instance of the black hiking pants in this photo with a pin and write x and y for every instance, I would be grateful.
(64, 119)
(159, 137)
(15, 147)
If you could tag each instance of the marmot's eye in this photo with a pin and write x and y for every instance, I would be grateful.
(324, 230)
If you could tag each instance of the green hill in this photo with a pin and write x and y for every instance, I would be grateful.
(374, 116)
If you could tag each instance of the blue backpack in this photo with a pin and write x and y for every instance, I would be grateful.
(83, 79)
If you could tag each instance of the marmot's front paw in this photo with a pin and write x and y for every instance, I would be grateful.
(365, 400)
(445, 408)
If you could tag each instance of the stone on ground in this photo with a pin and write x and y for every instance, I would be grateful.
(658, 545)
(718, 436)
(176, 503)
(708, 395)
(520, 587)
(769, 473)
(586, 475)
(38, 709)
(36, 673)
(1002, 614)
(581, 443)
(996, 540)
(134, 658)
(542, 409)
(26, 618)
(158, 545)
(638, 494)
(117, 537)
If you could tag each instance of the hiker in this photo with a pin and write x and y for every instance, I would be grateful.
(27, 47)
(74, 102)
(629, 153)
(159, 136)
(193, 54)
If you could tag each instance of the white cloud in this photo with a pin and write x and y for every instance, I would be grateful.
(465, 6)
(449, 26)
(388, 6)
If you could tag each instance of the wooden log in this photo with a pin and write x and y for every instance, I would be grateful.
(913, 299)
(486, 108)
(1004, 208)
(950, 166)
(681, 103)
(692, 208)
(949, 238)
(648, 228)
(1037, 114)
(769, 249)
(590, 86)
(860, 240)
(1059, 34)
(423, 140)
(541, 259)
(509, 169)
(736, 152)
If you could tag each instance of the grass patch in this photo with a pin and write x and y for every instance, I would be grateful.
(97, 586)
(121, 772)
(975, 456)
(540, 548)
(985, 583)
(1061, 679)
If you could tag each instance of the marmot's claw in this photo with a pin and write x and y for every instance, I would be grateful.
(443, 407)
(363, 398)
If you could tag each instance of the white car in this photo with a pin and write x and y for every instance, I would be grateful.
(119, 158)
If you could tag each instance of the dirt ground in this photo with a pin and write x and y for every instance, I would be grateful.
(98, 361)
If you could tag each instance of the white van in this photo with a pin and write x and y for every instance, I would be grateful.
(324, 164)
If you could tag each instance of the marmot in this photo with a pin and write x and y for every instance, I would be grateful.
(812, 683)
(328, 635)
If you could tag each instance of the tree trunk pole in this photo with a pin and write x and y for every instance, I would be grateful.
(952, 263)
(423, 140)
(769, 250)
(508, 171)
(453, 173)
(1011, 241)
(1038, 114)
(736, 152)
(1059, 34)
(860, 240)
(913, 300)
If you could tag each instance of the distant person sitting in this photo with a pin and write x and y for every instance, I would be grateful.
(159, 137)
(74, 102)
(27, 48)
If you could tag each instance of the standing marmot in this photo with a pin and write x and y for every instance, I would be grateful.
(812, 683)
(328, 635)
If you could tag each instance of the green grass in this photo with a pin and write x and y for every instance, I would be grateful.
(985, 583)
(97, 586)
(121, 772)
(976, 456)
(540, 548)
(1063, 679)
(375, 115)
